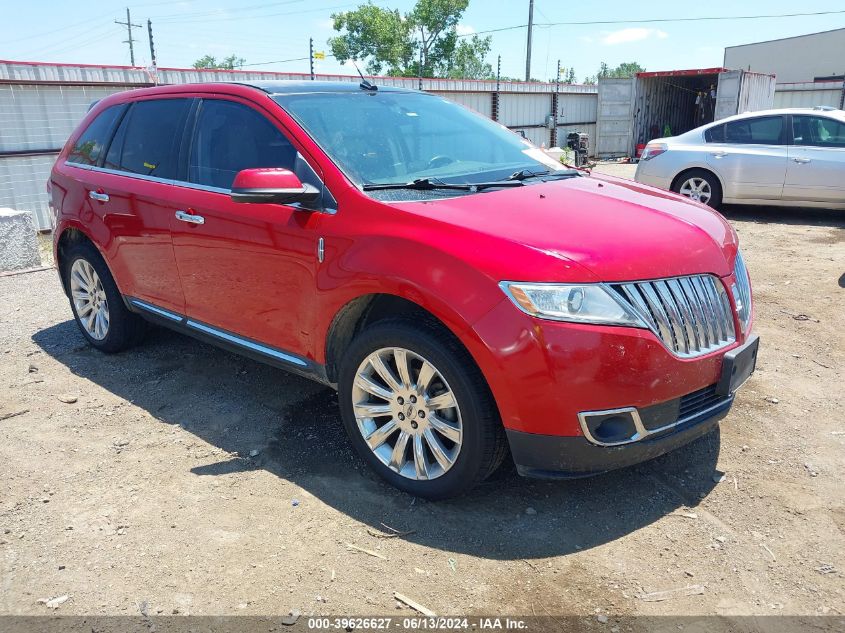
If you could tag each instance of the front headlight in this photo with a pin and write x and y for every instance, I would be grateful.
(741, 290)
(587, 303)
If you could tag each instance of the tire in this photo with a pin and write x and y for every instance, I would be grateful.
(707, 184)
(481, 444)
(85, 269)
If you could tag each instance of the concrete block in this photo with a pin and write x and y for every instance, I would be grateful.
(18, 241)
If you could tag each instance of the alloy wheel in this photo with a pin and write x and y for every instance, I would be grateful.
(407, 413)
(697, 189)
(89, 299)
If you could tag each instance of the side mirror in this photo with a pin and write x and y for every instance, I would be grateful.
(272, 185)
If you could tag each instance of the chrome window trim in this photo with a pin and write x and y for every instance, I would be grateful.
(179, 183)
(642, 432)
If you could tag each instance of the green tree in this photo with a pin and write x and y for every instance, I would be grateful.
(568, 76)
(468, 61)
(395, 43)
(231, 62)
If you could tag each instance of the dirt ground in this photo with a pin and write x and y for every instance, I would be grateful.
(178, 478)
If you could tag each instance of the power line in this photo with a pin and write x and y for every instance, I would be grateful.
(656, 20)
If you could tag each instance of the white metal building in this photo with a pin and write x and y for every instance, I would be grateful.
(804, 58)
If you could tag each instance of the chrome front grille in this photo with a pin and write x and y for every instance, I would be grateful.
(691, 315)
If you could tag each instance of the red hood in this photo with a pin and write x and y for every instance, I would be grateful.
(617, 229)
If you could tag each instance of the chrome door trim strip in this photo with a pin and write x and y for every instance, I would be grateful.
(242, 342)
(155, 310)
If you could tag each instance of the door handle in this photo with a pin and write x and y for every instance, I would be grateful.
(187, 217)
(718, 154)
(99, 196)
(802, 161)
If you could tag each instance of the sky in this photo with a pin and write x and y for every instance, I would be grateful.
(84, 31)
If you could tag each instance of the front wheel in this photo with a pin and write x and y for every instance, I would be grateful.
(699, 185)
(418, 410)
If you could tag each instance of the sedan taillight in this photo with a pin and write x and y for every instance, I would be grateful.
(653, 149)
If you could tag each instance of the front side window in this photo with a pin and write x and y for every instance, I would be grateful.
(230, 137)
(766, 130)
(817, 131)
(89, 146)
(397, 137)
(148, 139)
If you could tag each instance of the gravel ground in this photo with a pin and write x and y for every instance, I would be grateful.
(178, 478)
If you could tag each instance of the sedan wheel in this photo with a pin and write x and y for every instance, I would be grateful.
(407, 413)
(89, 299)
(696, 188)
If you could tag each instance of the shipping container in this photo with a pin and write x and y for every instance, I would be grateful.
(633, 111)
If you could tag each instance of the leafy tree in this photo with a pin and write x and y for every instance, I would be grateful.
(468, 61)
(569, 78)
(395, 43)
(622, 71)
(229, 63)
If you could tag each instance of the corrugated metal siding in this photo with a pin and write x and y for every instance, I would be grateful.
(758, 92)
(808, 95)
(615, 117)
(23, 181)
(480, 102)
(517, 109)
(42, 117)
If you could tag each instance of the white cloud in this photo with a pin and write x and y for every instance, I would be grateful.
(635, 34)
(464, 29)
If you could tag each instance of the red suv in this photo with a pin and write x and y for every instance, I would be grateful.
(464, 293)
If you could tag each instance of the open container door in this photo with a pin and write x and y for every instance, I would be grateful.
(614, 124)
(741, 91)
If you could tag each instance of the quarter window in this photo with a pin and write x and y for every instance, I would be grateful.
(715, 134)
(230, 137)
(766, 130)
(817, 131)
(148, 139)
(89, 146)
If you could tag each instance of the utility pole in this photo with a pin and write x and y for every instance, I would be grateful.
(495, 101)
(152, 46)
(129, 26)
(530, 32)
(311, 55)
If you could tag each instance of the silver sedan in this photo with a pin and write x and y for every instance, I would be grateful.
(787, 157)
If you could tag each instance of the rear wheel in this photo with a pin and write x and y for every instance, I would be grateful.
(418, 410)
(699, 185)
(96, 302)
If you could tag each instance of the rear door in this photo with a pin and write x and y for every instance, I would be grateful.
(751, 161)
(135, 182)
(247, 269)
(816, 167)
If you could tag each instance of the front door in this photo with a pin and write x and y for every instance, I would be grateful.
(752, 161)
(247, 269)
(816, 168)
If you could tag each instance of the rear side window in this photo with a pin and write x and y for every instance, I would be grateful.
(817, 131)
(715, 134)
(230, 137)
(766, 130)
(89, 146)
(148, 139)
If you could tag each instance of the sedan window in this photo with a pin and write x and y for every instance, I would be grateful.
(715, 134)
(817, 131)
(766, 130)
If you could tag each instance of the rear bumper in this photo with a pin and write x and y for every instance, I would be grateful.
(559, 457)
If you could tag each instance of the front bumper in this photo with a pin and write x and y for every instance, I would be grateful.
(558, 457)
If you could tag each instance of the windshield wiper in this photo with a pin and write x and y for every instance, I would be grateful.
(525, 174)
(427, 184)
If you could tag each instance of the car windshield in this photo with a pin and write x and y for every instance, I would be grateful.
(386, 138)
